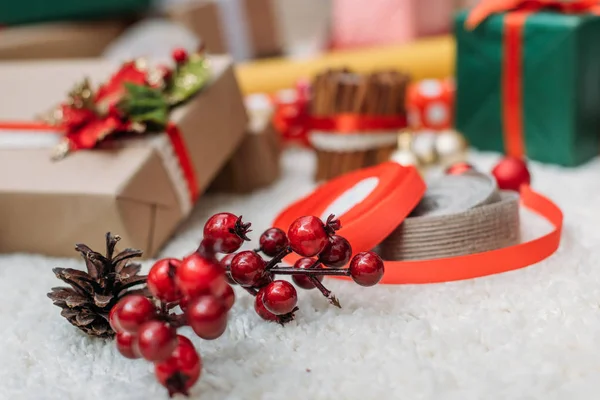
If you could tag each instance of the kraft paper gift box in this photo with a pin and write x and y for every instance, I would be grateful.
(249, 29)
(245, 29)
(255, 164)
(134, 188)
(548, 108)
(58, 40)
(356, 23)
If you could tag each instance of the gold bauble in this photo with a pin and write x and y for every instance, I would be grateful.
(450, 147)
(405, 158)
(423, 145)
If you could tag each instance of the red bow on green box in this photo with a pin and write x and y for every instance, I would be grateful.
(517, 12)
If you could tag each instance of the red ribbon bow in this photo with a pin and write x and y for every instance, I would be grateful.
(488, 7)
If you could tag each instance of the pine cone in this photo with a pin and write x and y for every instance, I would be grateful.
(87, 303)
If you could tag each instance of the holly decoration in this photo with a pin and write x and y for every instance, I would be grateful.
(137, 99)
(196, 291)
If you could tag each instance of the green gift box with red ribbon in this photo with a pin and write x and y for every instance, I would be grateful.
(528, 78)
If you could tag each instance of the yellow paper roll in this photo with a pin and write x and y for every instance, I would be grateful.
(425, 58)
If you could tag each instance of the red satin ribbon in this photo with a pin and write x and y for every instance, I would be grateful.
(172, 131)
(512, 68)
(350, 123)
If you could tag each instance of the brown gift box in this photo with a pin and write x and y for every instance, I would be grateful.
(254, 165)
(129, 189)
(58, 40)
(204, 19)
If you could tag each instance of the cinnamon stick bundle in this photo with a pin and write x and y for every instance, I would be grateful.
(341, 91)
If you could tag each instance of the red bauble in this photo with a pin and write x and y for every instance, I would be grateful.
(459, 168)
(511, 173)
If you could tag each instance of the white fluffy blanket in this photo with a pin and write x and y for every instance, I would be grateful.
(528, 334)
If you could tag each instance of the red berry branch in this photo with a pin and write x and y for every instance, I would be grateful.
(200, 287)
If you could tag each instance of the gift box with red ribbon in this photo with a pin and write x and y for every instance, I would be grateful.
(137, 146)
(528, 73)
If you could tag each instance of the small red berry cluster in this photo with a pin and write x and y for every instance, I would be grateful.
(323, 253)
(198, 285)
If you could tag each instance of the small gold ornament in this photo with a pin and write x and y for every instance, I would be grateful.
(450, 147)
(405, 155)
(424, 147)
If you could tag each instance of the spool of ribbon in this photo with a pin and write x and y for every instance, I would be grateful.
(372, 202)
(459, 215)
(512, 80)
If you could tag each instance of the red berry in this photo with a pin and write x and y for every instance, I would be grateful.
(156, 340)
(337, 253)
(273, 241)
(511, 173)
(180, 55)
(181, 370)
(308, 236)
(133, 311)
(126, 344)
(183, 303)
(226, 264)
(260, 309)
(366, 268)
(304, 281)
(280, 297)
(207, 316)
(198, 275)
(161, 280)
(459, 168)
(226, 232)
(228, 298)
(112, 317)
(248, 268)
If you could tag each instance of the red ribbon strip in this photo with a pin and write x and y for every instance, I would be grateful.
(352, 123)
(512, 68)
(172, 131)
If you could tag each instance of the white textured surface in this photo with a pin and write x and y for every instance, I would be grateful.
(528, 334)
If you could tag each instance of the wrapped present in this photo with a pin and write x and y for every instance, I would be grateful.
(142, 147)
(250, 29)
(384, 22)
(430, 104)
(243, 28)
(462, 4)
(59, 40)
(527, 74)
(31, 11)
(255, 163)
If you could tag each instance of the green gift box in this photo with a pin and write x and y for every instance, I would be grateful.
(555, 84)
(33, 11)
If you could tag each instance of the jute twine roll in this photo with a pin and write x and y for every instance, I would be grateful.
(459, 215)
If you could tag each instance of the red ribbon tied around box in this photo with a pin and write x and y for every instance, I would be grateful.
(512, 81)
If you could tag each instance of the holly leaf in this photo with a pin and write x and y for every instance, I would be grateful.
(188, 79)
(145, 104)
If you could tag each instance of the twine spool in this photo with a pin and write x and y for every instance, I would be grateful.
(459, 215)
